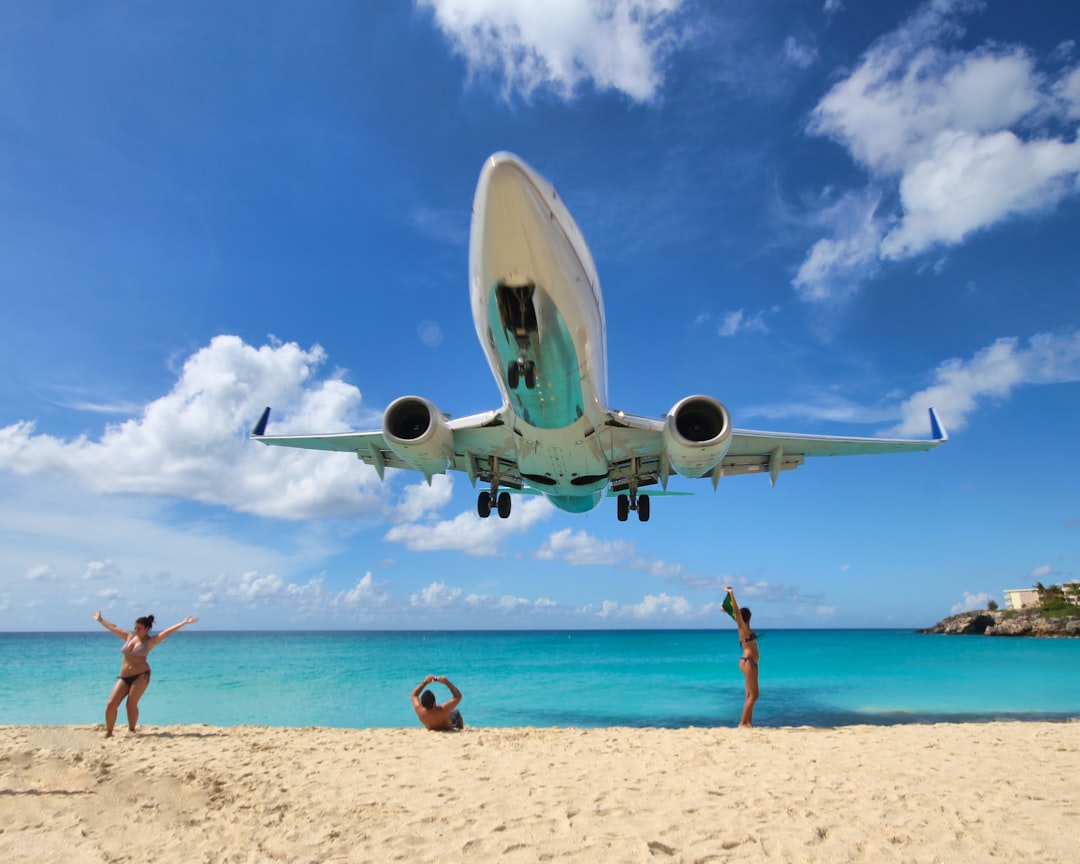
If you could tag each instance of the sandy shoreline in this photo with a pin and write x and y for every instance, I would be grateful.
(946, 792)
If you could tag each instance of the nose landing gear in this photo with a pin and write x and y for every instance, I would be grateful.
(518, 369)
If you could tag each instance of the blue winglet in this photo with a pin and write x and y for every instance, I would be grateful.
(260, 427)
(936, 429)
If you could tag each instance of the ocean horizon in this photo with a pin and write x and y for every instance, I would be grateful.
(546, 678)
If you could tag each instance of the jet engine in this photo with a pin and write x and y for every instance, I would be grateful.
(416, 431)
(697, 435)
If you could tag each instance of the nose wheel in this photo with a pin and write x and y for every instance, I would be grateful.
(521, 369)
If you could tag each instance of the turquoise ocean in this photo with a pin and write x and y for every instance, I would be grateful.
(670, 678)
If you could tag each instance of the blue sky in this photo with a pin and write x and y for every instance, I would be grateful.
(828, 215)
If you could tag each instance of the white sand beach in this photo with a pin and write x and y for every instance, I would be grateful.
(920, 793)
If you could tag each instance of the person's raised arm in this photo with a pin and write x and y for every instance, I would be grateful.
(738, 612)
(112, 628)
(168, 631)
(419, 688)
(453, 703)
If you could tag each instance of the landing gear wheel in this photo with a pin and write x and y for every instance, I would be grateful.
(504, 505)
(483, 504)
(530, 375)
(643, 508)
(512, 372)
(623, 503)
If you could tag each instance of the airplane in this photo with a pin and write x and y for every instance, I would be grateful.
(539, 316)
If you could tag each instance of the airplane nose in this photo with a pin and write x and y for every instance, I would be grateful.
(513, 232)
(508, 185)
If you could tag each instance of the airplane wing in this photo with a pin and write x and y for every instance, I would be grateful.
(637, 450)
(481, 443)
(483, 448)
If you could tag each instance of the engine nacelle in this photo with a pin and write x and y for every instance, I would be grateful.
(697, 435)
(418, 434)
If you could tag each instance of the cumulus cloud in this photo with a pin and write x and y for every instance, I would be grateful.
(561, 44)
(467, 532)
(192, 443)
(366, 592)
(652, 607)
(961, 139)
(453, 604)
(972, 602)
(436, 595)
(581, 549)
(971, 181)
(961, 386)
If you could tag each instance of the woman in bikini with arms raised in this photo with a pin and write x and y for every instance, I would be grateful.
(134, 675)
(748, 663)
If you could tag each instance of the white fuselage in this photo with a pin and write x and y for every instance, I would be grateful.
(535, 296)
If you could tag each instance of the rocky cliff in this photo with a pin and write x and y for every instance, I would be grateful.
(1026, 622)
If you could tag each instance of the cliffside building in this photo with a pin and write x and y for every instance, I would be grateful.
(1021, 598)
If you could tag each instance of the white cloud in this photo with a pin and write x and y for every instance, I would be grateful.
(41, 573)
(580, 549)
(972, 602)
(799, 54)
(654, 606)
(836, 263)
(971, 181)
(366, 592)
(560, 44)
(1040, 573)
(130, 555)
(960, 387)
(739, 322)
(1067, 89)
(468, 533)
(192, 444)
(419, 500)
(101, 570)
(963, 136)
(436, 595)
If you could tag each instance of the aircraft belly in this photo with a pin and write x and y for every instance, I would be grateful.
(566, 462)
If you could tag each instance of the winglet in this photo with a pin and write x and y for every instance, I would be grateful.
(936, 429)
(260, 427)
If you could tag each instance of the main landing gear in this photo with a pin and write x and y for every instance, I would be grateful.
(518, 369)
(626, 503)
(485, 500)
(631, 500)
